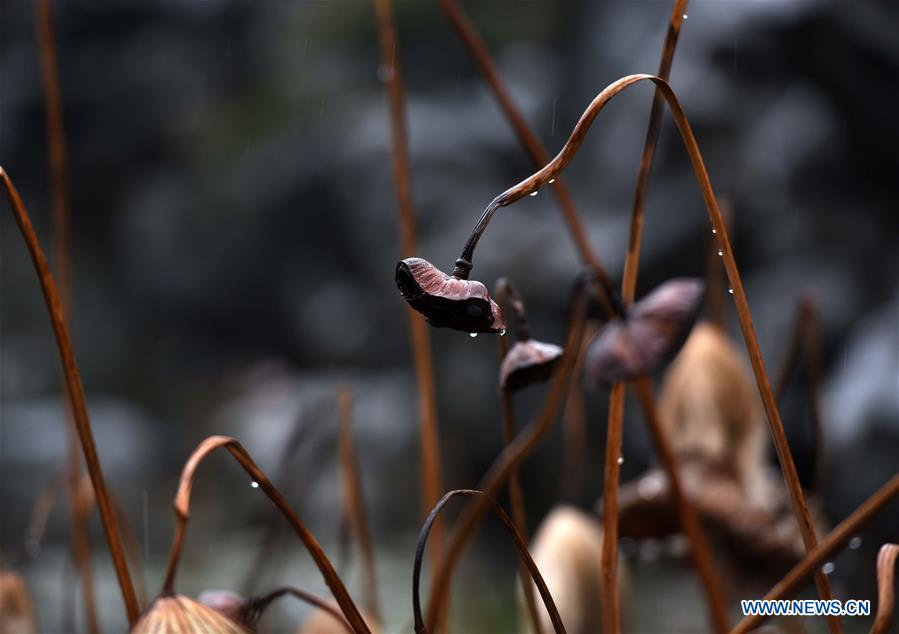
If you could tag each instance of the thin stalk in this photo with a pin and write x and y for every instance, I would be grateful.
(718, 297)
(182, 516)
(355, 501)
(886, 595)
(506, 295)
(528, 139)
(508, 460)
(829, 546)
(82, 504)
(574, 426)
(611, 610)
(701, 551)
(256, 607)
(775, 425)
(75, 394)
(520, 545)
(429, 435)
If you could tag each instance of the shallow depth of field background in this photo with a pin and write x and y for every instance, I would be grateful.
(234, 239)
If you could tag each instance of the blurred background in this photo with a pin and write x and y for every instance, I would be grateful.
(234, 235)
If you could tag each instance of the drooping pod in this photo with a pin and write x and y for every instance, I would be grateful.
(178, 614)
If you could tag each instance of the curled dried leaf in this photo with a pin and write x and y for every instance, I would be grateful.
(649, 333)
(447, 301)
(178, 614)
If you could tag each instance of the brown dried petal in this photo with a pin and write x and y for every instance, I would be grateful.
(178, 614)
(446, 301)
(16, 612)
(528, 362)
(651, 331)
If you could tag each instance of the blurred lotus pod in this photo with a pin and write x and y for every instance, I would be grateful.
(178, 614)
(16, 612)
(646, 336)
(526, 363)
(225, 602)
(321, 622)
(710, 409)
(447, 301)
(568, 549)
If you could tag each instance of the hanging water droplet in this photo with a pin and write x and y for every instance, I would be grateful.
(534, 193)
(721, 252)
(502, 333)
(730, 290)
(254, 484)
(620, 459)
(828, 568)
(714, 231)
(685, 16)
(855, 543)
(472, 334)
(552, 180)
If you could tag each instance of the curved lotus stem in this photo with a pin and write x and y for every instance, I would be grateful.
(886, 597)
(75, 394)
(555, 167)
(182, 514)
(520, 544)
(254, 608)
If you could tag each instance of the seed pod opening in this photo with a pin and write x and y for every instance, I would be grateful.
(447, 301)
(178, 614)
(646, 336)
(526, 363)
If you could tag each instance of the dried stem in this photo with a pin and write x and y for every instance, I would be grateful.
(82, 504)
(254, 609)
(529, 141)
(355, 502)
(718, 297)
(831, 544)
(700, 549)
(510, 458)
(543, 176)
(611, 610)
(429, 435)
(886, 598)
(75, 394)
(574, 429)
(520, 544)
(182, 515)
(506, 294)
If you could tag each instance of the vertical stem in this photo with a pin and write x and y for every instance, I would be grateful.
(355, 501)
(718, 297)
(75, 394)
(611, 615)
(699, 545)
(429, 436)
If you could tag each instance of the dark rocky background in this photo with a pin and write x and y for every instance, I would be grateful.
(234, 237)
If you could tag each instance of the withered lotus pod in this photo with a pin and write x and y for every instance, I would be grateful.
(178, 614)
(528, 362)
(447, 301)
(16, 612)
(225, 602)
(649, 333)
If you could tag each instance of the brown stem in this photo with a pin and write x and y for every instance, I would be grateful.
(886, 598)
(355, 502)
(429, 435)
(775, 425)
(718, 297)
(510, 458)
(506, 294)
(831, 544)
(611, 613)
(254, 609)
(82, 503)
(520, 545)
(75, 394)
(699, 544)
(182, 515)
(529, 141)
(574, 428)
(40, 513)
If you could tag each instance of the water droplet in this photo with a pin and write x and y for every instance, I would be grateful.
(620, 459)
(254, 484)
(472, 334)
(855, 543)
(534, 193)
(502, 333)
(828, 568)
(730, 290)
(721, 252)
(552, 180)
(714, 231)
(685, 16)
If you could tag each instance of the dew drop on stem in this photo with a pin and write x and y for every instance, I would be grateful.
(730, 290)
(620, 459)
(472, 334)
(534, 193)
(254, 484)
(828, 568)
(855, 543)
(502, 333)
(721, 252)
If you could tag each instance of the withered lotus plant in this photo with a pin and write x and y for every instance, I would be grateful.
(567, 548)
(646, 335)
(528, 361)
(448, 301)
(174, 613)
(16, 611)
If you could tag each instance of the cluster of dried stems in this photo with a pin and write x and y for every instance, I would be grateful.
(528, 361)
